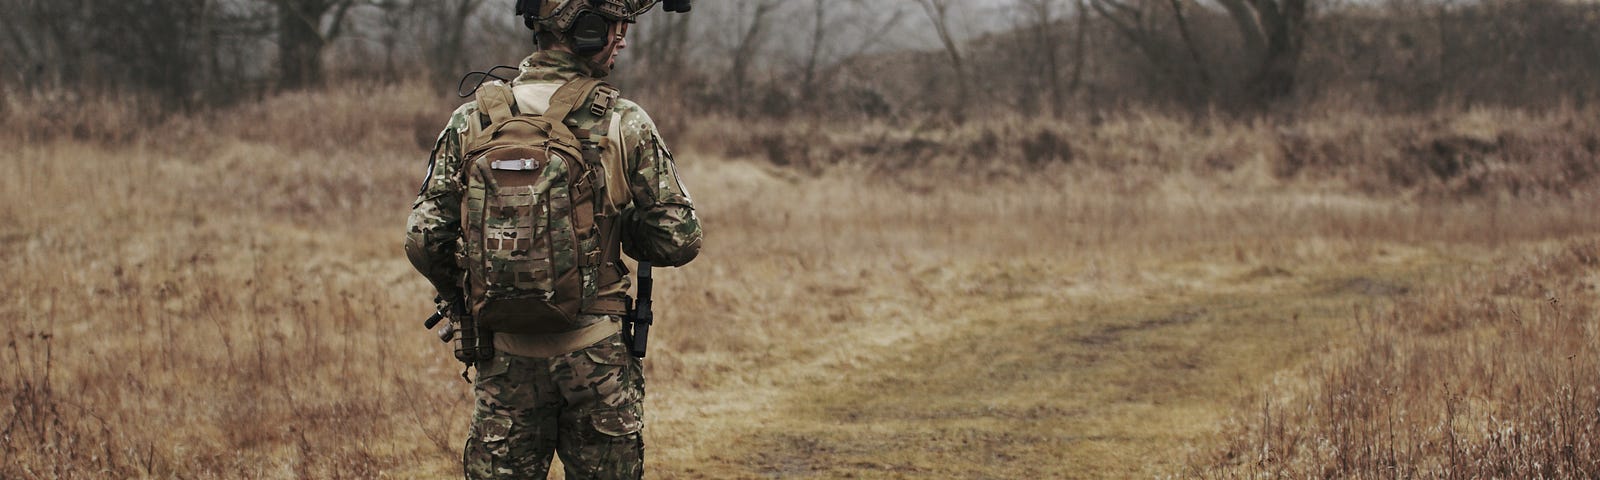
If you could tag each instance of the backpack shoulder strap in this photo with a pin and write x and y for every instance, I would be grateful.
(498, 104)
(599, 97)
(497, 101)
(570, 96)
(567, 100)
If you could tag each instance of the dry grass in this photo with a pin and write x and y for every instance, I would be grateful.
(1443, 154)
(1492, 375)
(224, 296)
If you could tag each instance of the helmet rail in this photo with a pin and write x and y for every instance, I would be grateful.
(559, 16)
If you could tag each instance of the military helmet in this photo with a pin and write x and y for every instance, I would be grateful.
(559, 16)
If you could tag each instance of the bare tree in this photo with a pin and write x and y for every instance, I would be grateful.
(1043, 46)
(664, 44)
(860, 25)
(394, 17)
(1080, 46)
(819, 32)
(938, 12)
(171, 50)
(302, 38)
(1274, 35)
(756, 56)
(745, 50)
(38, 34)
(445, 23)
(155, 41)
(1135, 22)
(1202, 68)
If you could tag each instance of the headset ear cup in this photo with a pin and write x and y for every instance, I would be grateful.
(590, 33)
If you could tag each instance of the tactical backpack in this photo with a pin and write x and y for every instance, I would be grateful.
(540, 234)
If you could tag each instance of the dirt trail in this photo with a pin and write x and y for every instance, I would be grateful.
(1050, 379)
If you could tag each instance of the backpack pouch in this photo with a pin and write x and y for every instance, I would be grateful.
(525, 227)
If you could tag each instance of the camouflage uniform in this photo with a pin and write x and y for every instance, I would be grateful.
(577, 393)
(585, 404)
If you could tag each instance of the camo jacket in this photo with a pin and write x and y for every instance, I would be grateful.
(658, 224)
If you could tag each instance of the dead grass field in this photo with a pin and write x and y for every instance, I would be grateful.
(226, 297)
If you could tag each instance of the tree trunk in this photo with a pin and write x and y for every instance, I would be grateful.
(745, 53)
(1273, 32)
(299, 44)
(818, 35)
(1194, 50)
(1047, 46)
(938, 12)
(301, 39)
(1079, 47)
(1058, 98)
(447, 58)
(1285, 35)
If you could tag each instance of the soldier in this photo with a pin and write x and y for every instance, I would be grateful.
(569, 388)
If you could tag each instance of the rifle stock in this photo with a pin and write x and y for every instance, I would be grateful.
(636, 325)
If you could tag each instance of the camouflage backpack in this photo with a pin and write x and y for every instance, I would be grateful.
(539, 231)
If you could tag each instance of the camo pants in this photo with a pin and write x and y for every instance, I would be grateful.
(586, 406)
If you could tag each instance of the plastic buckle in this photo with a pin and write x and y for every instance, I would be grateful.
(604, 97)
